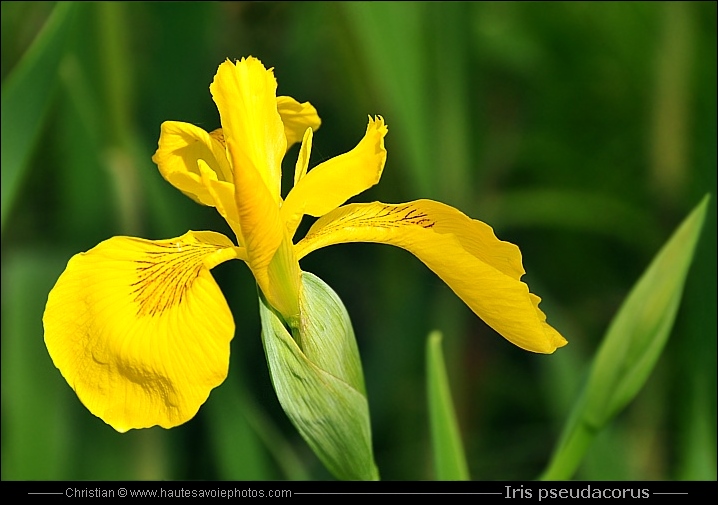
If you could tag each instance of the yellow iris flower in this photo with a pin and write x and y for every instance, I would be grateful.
(142, 332)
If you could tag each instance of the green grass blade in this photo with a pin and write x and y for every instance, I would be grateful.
(449, 458)
(631, 347)
(26, 96)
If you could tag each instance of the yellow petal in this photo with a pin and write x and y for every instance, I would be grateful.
(246, 96)
(284, 282)
(223, 195)
(300, 168)
(140, 329)
(292, 219)
(482, 270)
(333, 182)
(258, 214)
(181, 145)
(297, 117)
(269, 250)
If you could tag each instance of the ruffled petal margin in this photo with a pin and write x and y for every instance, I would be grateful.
(481, 269)
(140, 329)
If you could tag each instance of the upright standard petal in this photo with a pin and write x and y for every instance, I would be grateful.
(482, 270)
(140, 329)
(297, 117)
(246, 96)
(180, 147)
(330, 184)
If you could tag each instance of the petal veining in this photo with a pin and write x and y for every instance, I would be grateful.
(140, 329)
(482, 270)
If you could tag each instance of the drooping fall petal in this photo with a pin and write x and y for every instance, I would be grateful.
(482, 270)
(330, 184)
(140, 329)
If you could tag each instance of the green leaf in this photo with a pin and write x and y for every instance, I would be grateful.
(320, 386)
(449, 458)
(26, 96)
(631, 347)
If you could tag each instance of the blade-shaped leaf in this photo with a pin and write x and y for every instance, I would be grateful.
(449, 458)
(631, 347)
(26, 97)
(322, 390)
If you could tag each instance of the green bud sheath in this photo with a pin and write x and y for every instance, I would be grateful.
(320, 385)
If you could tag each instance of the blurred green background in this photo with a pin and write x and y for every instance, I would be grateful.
(582, 132)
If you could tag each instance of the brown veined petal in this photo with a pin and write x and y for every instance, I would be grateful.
(482, 270)
(246, 96)
(296, 117)
(180, 147)
(140, 329)
(330, 184)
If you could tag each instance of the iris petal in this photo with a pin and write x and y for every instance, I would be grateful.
(246, 96)
(300, 168)
(255, 139)
(481, 269)
(181, 145)
(140, 329)
(258, 214)
(333, 182)
(297, 117)
(223, 195)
